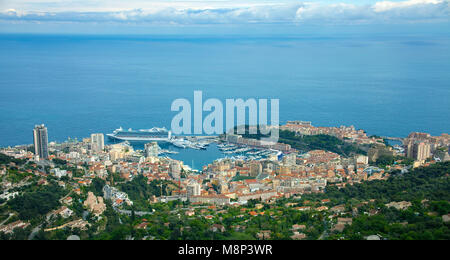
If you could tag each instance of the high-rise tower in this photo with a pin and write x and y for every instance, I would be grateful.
(97, 142)
(40, 141)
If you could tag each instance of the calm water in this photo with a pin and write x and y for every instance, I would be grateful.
(76, 85)
(194, 158)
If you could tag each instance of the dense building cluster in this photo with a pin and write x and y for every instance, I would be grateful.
(347, 133)
(77, 166)
(421, 146)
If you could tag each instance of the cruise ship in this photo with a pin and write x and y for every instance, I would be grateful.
(154, 134)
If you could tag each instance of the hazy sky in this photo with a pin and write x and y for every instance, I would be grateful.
(59, 14)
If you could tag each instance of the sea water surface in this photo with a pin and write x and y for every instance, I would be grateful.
(386, 84)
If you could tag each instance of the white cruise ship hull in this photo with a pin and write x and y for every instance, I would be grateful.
(141, 139)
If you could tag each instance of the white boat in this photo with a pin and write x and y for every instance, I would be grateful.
(154, 134)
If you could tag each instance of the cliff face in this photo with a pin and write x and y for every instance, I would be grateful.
(95, 204)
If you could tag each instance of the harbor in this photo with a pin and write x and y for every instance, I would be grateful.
(194, 151)
(244, 152)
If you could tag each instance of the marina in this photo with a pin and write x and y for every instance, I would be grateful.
(243, 152)
(192, 150)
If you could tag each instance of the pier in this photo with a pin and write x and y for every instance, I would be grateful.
(393, 138)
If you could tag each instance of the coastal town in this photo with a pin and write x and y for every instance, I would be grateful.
(92, 183)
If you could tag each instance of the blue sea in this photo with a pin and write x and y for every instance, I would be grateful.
(386, 84)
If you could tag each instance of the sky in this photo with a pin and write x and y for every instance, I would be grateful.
(133, 15)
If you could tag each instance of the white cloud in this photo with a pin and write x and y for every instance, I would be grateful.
(227, 12)
(380, 12)
(388, 5)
